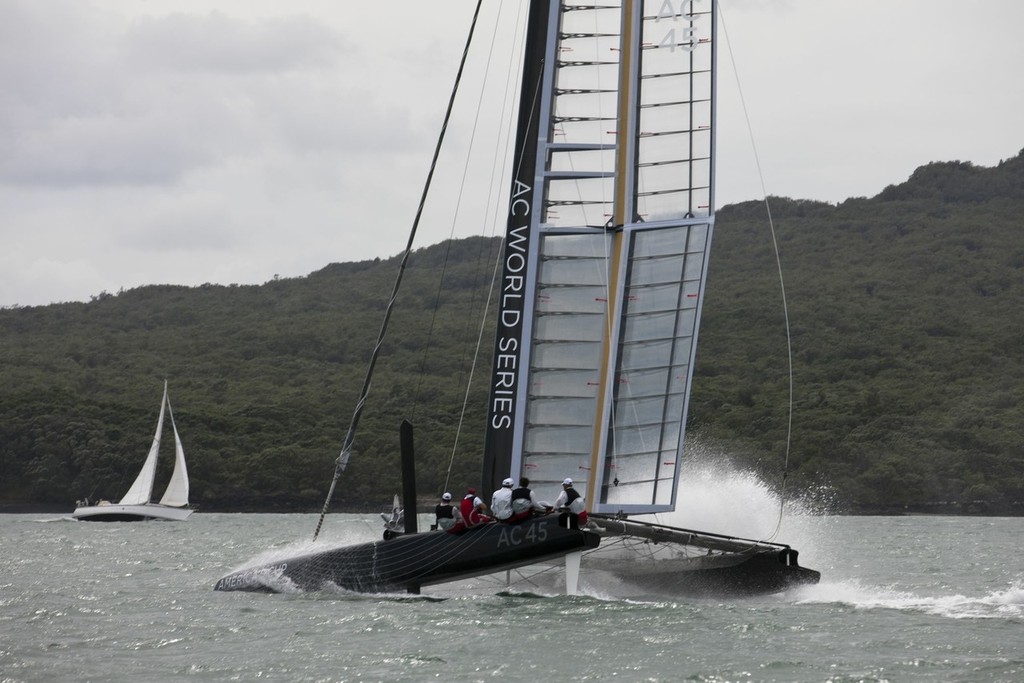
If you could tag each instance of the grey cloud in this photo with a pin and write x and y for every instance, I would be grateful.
(215, 42)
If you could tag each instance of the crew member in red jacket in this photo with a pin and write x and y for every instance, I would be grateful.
(474, 511)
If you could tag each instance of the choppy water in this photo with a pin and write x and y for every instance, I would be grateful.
(902, 599)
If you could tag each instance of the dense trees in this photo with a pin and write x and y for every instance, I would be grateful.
(906, 335)
(907, 340)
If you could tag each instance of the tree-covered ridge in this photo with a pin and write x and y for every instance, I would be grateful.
(907, 339)
(907, 342)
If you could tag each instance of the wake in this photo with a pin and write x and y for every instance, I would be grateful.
(1006, 603)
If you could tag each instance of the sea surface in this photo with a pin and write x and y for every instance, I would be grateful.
(901, 599)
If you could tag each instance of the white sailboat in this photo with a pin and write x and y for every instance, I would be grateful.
(609, 226)
(136, 504)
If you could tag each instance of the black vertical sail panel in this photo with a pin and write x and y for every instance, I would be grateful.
(508, 363)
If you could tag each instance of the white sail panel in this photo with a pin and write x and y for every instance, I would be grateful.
(656, 381)
(674, 146)
(569, 327)
(564, 384)
(562, 410)
(646, 439)
(574, 299)
(580, 164)
(570, 354)
(575, 271)
(141, 490)
(565, 367)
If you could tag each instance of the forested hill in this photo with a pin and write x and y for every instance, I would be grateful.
(907, 337)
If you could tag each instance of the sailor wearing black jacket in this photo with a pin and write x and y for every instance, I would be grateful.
(524, 502)
(444, 513)
(571, 504)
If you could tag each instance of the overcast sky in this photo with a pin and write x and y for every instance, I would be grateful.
(232, 141)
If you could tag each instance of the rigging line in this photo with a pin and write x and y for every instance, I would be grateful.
(514, 66)
(515, 174)
(472, 369)
(778, 264)
(455, 217)
(346, 449)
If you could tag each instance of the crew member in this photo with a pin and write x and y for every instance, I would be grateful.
(571, 505)
(524, 502)
(444, 513)
(474, 512)
(501, 501)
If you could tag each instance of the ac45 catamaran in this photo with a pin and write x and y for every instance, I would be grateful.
(610, 219)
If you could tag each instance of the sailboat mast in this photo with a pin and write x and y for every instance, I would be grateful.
(623, 189)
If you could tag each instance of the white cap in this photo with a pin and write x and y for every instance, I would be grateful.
(508, 482)
(567, 482)
(446, 496)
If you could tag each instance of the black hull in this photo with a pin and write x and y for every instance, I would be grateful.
(118, 518)
(759, 573)
(407, 562)
(712, 564)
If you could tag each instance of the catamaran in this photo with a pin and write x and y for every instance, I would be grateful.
(136, 505)
(609, 225)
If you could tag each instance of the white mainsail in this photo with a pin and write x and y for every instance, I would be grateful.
(141, 490)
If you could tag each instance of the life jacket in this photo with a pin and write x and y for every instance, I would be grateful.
(521, 500)
(574, 501)
(445, 515)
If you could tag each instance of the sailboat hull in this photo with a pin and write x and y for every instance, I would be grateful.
(407, 562)
(700, 563)
(130, 513)
(762, 572)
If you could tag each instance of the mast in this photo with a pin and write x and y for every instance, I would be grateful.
(622, 214)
